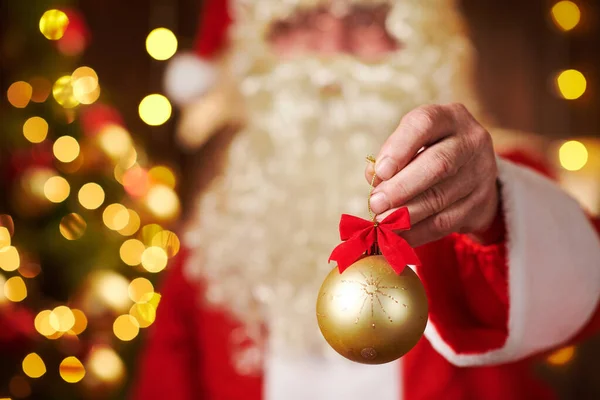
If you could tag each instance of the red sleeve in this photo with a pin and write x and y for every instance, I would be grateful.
(467, 284)
(168, 362)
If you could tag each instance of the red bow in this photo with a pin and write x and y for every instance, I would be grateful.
(360, 235)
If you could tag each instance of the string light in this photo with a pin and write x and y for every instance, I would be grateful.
(163, 202)
(162, 175)
(53, 24)
(112, 289)
(63, 92)
(573, 155)
(115, 216)
(571, 84)
(168, 241)
(65, 319)
(42, 323)
(126, 328)
(4, 237)
(2, 296)
(132, 225)
(154, 259)
(15, 289)
(131, 252)
(57, 189)
(35, 129)
(19, 94)
(566, 15)
(115, 141)
(9, 258)
(155, 109)
(72, 226)
(80, 323)
(66, 149)
(71, 370)
(139, 288)
(86, 88)
(105, 364)
(144, 314)
(161, 44)
(33, 366)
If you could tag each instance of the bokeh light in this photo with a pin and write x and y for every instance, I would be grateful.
(138, 288)
(71, 370)
(15, 289)
(33, 366)
(105, 364)
(35, 129)
(80, 323)
(144, 314)
(136, 181)
(41, 88)
(566, 15)
(115, 216)
(91, 196)
(2, 282)
(126, 328)
(161, 44)
(115, 141)
(132, 225)
(155, 109)
(9, 258)
(163, 202)
(154, 259)
(162, 175)
(53, 24)
(573, 155)
(57, 189)
(62, 90)
(72, 226)
(86, 88)
(43, 325)
(4, 237)
(19, 94)
(168, 241)
(29, 269)
(64, 321)
(112, 290)
(571, 84)
(148, 233)
(561, 356)
(66, 149)
(7, 222)
(131, 252)
(19, 387)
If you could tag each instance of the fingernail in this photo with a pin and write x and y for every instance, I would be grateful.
(379, 203)
(386, 168)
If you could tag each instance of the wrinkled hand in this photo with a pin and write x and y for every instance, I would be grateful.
(440, 163)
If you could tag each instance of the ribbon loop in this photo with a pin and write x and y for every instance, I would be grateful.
(359, 235)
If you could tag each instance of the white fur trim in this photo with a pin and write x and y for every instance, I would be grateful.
(553, 269)
(188, 77)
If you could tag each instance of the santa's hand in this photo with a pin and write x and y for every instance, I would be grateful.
(449, 186)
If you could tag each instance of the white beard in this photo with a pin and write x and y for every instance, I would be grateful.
(264, 229)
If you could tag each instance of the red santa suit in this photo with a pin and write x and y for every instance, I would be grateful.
(494, 307)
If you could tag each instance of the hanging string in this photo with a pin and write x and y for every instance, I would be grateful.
(372, 216)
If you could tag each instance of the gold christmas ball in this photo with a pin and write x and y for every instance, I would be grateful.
(369, 313)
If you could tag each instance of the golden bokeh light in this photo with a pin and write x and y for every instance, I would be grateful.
(19, 387)
(33, 366)
(571, 84)
(138, 288)
(151, 298)
(126, 328)
(41, 89)
(573, 155)
(71, 370)
(35, 129)
(148, 233)
(91, 196)
(2, 282)
(105, 364)
(62, 91)
(43, 323)
(115, 216)
(131, 252)
(112, 290)
(29, 269)
(9, 258)
(162, 175)
(65, 319)
(19, 94)
(115, 141)
(66, 149)
(168, 241)
(85, 85)
(566, 15)
(57, 189)
(155, 109)
(136, 181)
(53, 24)
(163, 202)
(154, 259)
(132, 225)
(4, 237)
(15, 289)
(80, 323)
(72, 226)
(562, 356)
(161, 44)
(144, 314)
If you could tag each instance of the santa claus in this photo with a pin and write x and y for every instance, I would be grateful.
(510, 262)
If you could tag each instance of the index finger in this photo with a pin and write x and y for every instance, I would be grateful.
(421, 127)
